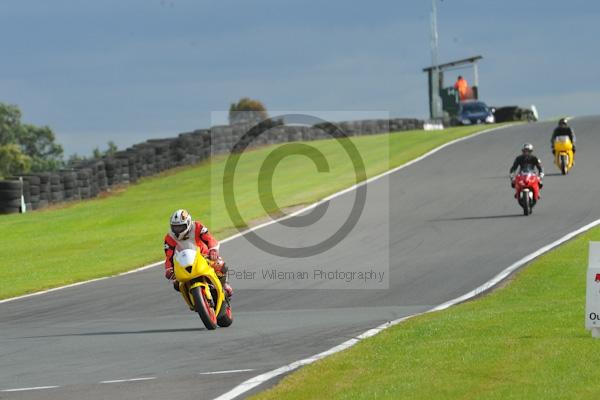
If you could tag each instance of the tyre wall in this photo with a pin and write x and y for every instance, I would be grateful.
(89, 178)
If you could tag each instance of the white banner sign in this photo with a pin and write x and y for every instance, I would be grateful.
(592, 304)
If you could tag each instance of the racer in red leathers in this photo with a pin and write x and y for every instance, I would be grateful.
(186, 233)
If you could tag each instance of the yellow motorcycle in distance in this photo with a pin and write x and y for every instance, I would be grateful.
(201, 288)
(563, 154)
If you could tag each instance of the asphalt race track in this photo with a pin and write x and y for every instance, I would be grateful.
(453, 224)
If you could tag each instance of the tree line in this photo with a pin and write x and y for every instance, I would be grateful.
(30, 148)
(26, 147)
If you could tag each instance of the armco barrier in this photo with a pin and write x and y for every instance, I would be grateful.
(88, 178)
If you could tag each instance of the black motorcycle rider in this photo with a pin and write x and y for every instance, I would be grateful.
(563, 129)
(526, 162)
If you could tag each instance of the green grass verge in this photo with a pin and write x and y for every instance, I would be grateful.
(125, 230)
(525, 341)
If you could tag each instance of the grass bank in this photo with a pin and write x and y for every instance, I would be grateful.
(101, 237)
(525, 341)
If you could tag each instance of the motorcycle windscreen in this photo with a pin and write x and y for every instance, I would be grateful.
(185, 257)
(562, 139)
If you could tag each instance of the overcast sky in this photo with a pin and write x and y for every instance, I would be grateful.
(128, 70)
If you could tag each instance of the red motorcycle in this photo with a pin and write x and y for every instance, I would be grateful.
(527, 185)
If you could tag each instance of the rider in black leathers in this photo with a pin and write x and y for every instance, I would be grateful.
(526, 162)
(563, 129)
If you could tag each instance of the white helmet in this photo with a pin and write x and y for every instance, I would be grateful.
(181, 224)
(527, 147)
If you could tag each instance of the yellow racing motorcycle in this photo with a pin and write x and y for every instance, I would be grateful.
(563, 154)
(201, 288)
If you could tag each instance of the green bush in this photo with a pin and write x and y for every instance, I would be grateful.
(247, 110)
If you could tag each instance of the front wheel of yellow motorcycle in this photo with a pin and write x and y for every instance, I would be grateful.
(203, 308)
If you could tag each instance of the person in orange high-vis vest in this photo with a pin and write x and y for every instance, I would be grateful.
(463, 88)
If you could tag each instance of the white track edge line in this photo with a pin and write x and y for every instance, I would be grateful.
(231, 371)
(270, 222)
(28, 388)
(260, 379)
(148, 378)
